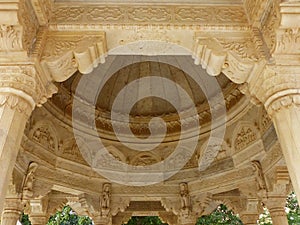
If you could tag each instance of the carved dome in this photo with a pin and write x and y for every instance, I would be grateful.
(151, 106)
(146, 108)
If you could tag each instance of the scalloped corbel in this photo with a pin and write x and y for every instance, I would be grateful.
(66, 52)
(236, 58)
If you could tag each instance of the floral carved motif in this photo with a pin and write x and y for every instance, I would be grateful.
(151, 14)
(289, 41)
(16, 102)
(10, 38)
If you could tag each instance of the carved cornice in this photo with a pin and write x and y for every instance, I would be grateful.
(66, 52)
(42, 9)
(148, 14)
(236, 55)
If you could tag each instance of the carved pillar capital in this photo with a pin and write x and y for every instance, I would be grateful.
(13, 208)
(276, 207)
(38, 211)
(252, 210)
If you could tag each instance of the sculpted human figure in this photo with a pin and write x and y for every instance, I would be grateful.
(106, 196)
(29, 179)
(185, 198)
(260, 180)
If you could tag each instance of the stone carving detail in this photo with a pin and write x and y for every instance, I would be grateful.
(42, 10)
(265, 121)
(289, 41)
(119, 204)
(269, 25)
(154, 14)
(10, 38)
(242, 48)
(244, 138)
(150, 14)
(70, 150)
(260, 179)
(236, 59)
(105, 200)
(210, 153)
(104, 13)
(29, 23)
(185, 199)
(172, 205)
(29, 180)
(15, 102)
(66, 52)
(144, 160)
(201, 203)
(44, 135)
(27, 80)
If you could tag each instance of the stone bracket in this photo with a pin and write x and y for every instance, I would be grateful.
(66, 52)
(236, 56)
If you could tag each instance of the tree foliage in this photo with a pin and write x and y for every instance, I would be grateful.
(221, 216)
(144, 220)
(68, 217)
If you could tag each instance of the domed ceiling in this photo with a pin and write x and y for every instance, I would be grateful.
(146, 108)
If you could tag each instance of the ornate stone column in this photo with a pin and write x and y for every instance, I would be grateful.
(19, 92)
(278, 86)
(13, 206)
(21, 86)
(12, 211)
(276, 208)
(276, 199)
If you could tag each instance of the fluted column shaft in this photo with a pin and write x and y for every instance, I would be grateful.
(14, 112)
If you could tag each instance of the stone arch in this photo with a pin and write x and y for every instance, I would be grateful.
(244, 134)
(145, 158)
(117, 153)
(44, 133)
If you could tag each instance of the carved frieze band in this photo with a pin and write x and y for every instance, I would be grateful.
(158, 14)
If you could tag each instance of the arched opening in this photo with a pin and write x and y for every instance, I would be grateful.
(65, 216)
(221, 215)
(292, 210)
(145, 220)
